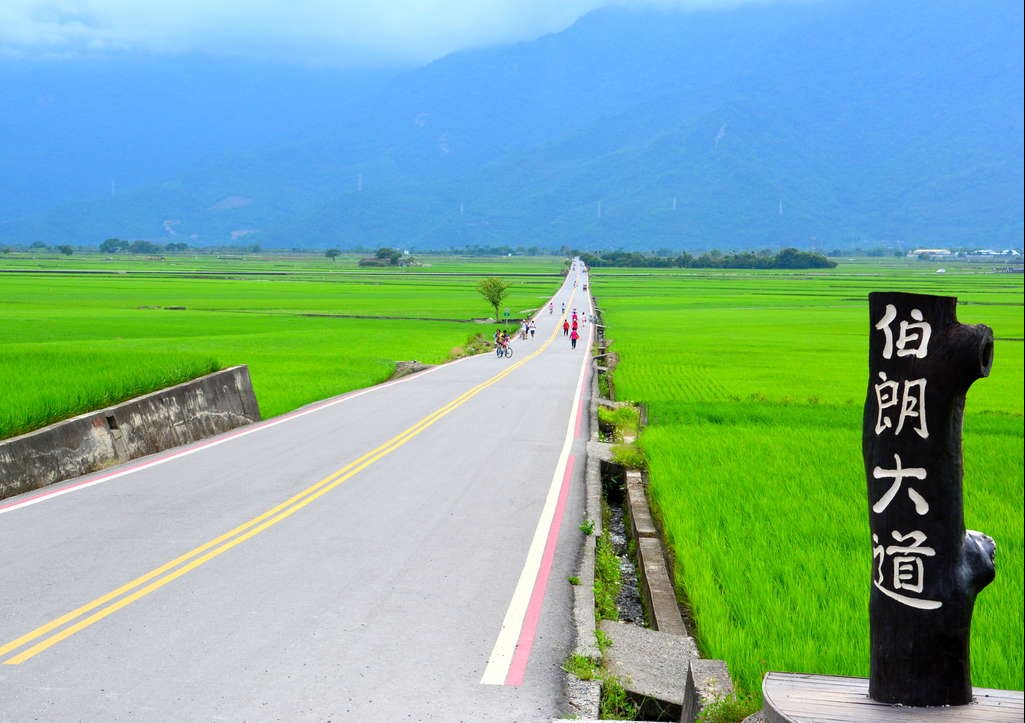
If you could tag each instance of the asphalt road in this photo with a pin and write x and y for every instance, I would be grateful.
(398, 553)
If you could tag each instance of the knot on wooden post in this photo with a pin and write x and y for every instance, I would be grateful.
(927, 570)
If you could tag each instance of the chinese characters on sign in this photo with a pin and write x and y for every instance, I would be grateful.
(901, 569)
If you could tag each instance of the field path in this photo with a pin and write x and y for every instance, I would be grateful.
(397, 553)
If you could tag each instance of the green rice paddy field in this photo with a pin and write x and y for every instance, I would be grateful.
(85, 331)
(754, 385)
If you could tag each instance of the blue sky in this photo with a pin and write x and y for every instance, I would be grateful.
(334, 32)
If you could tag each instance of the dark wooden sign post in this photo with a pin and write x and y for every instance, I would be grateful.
(926, 568)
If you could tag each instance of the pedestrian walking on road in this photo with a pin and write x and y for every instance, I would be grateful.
(533, 328)
(573, 339)
(565, 328)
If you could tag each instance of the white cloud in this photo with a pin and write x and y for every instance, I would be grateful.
(346, 32)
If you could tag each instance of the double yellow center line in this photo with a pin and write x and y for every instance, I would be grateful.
(53, 632)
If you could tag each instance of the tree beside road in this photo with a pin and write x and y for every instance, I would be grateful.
(494, 290)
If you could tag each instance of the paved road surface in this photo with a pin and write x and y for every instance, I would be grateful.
(387, 555)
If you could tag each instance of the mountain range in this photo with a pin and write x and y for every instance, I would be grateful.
(816, 125)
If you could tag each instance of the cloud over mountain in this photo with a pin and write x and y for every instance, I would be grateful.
(393, 32)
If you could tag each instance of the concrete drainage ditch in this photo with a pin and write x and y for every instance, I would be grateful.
(629, 607)
(645, 665)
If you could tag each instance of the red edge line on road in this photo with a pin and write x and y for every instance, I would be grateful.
(518, 666)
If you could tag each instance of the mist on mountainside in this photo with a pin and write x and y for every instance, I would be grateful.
(810, 125)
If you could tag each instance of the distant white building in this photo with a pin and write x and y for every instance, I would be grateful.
(991, 252)
(931, 252)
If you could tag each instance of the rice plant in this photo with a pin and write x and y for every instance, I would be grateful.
(754, 384)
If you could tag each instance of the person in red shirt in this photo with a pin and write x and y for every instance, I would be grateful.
(573, 339)
(565, 328)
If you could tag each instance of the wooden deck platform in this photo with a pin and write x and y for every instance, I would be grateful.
(799, 698)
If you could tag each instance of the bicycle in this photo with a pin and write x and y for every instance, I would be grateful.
(503, 351)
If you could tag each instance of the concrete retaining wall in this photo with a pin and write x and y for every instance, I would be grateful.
(168, 418)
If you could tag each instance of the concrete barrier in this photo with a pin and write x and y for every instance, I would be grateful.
(168, 418)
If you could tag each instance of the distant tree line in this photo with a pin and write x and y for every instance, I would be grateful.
(468, 250)
(876, 252)
(789, 258)
(117, 245)
(477, 250)
(385, 256)
(785, 259)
